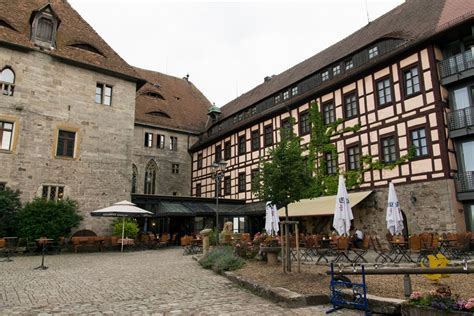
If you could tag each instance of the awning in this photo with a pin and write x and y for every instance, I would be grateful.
(324, 205)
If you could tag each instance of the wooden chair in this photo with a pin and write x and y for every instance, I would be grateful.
(361, 252)
(342, 249)
(414, 245)
(165, 239)
(383, 253)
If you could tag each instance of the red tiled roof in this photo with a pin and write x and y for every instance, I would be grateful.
(412, 21)
(71, 31)
(176, 103)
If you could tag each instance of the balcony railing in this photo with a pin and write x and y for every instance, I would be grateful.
(464, 181)
(461, 118)
(456, 64)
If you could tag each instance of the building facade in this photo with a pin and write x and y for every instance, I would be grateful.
(388, 77)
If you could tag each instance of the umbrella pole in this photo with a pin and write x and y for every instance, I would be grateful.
(123, 233)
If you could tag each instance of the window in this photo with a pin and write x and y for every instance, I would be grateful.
(353, 155)
(285, 127)
(198, 189)
(227, 150)
(218, 153)
(199, 161)
(294, 91)
(148, 140)
(412, 81)
(268, 135)
(160, 141)
(175, 168)
(286, 95)
(3, 186)
(7, 81)
(242, 145)
(173, 143)
(331, 163)
(52, 192)
(66, 143)
(305, 123)
(350, 105)
(329, 113)
(227, 186)
(134, 178)
(253, 176)
(277, 99)
(103, 94)
(384, 91)
(238, 224)
(241, 181)
(389, 150)
(349, 64)
(336, 70)
(418, 140)
(373, 52)
(255, 135)
(150, 177)
(43, 28)
(325, 75)
(253, 110)
(6, 135)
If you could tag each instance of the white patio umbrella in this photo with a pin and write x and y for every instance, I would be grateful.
(394, 215)
(343, 212)
(271, 219)
(122, 209)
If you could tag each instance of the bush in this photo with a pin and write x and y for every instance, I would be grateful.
(9, 207)
(48, 218)
(222, 259)
(131, 227)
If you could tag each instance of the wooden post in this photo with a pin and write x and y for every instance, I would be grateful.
(297, 248)
(282, 247)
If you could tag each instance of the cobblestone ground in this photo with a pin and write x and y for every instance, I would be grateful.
(160, 282)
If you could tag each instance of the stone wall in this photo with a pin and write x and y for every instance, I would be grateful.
(428, 206)
(167, 183)
(50, 95)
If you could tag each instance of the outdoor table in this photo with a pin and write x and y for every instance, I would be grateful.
(10, 244)
(43, 242)
(400, 249)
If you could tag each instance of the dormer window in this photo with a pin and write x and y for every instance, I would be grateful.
(43, 27)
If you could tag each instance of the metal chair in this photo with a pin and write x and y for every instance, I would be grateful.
(361, 252)
(383, 254)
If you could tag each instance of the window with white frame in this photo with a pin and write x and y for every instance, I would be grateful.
(277, 99)
(349, 64)
(148, 140)
(373, 52)
(103, 94)
(7, 81)
(238, 224)
(6, 135)
(325, 75)
(294, 91)
(173, 143)
(286, 95)
(160, 141)
(336, 70)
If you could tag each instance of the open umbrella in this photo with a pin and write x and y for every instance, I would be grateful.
(394, 215)
(122, 209)
(343, 212)
(271, 219)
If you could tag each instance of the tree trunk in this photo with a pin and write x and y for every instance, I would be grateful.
(287, 241)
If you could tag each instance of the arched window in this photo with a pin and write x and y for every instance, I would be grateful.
(7, 81)
(134, 178)
(150, 177)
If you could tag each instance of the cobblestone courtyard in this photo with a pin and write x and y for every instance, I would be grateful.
(146, 282)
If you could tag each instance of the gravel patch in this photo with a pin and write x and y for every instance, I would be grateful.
(313, 280)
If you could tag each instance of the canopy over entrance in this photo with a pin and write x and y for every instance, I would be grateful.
(321, 206)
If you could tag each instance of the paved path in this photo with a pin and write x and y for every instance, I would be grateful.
(160, 282)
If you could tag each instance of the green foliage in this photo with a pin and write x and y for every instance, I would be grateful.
(130, 230)
(284, 177)
(10, 205)
(222, 259)
(320, 144)
(48, 218)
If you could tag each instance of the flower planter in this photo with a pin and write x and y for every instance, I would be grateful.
(417, 310)
(272, 254)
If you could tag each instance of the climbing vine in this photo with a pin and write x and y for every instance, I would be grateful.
(320, 144)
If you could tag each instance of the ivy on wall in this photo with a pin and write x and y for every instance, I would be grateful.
(320, 144)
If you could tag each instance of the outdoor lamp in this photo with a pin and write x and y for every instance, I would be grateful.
(218, 168)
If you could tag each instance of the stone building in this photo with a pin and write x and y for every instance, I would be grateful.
(67, 107)
(407, 79)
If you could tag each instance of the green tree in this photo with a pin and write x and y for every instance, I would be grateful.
(48, 218)
(130, 228)
(9, 206)
(284, 177)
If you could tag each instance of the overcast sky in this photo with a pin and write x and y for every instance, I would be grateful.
(226, 47)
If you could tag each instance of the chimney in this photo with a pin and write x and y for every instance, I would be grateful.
(267, 79)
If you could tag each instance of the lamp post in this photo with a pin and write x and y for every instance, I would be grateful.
(218, 168)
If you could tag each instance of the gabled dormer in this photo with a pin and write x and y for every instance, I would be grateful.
(44, 25)
(213, 113)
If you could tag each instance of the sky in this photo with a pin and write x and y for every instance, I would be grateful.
(226, 47)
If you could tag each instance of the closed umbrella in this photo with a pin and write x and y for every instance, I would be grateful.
(122, 209)
(343, 212)
(394, 215)
(271, 219)
(275, 219)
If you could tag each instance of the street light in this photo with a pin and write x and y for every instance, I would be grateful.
(218, 168)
